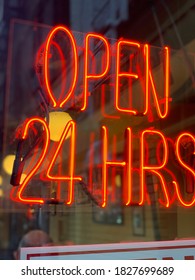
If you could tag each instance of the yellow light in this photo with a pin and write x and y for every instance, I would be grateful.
(23, 176)
(1, 193)
(1, 180)
(118, 180)
(57, 123)
(8, 163)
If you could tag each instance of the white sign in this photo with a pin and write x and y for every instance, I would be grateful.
(162, 250)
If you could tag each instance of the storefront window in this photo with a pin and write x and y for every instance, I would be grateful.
(97, 128)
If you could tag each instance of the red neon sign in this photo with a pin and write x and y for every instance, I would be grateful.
(150, 80)
(159, 169)
(59, 103)
(87, 75)
(109, 52)
(186, 167)
(123, 74)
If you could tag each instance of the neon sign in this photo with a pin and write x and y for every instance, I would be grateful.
(112, 55)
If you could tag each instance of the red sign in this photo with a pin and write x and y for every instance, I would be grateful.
(158, 250)
(112, 54)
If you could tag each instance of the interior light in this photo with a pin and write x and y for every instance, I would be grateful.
(23, 176)
(1, 193)
(8, 162)
(1, 180)
(118, 180)
(57, 122)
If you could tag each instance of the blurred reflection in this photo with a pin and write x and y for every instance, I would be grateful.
(34, 238)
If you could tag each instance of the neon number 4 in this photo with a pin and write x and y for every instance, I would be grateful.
(71, 178)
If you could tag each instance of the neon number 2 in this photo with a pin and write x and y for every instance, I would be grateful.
(22, 187)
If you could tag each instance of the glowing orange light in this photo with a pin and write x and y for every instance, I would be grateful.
(177, 151)
(153, 168)
(184, 134)
(71, 125)
(146, 55)
(149, 79)
(88, 76)
(91, 160)
(181, 200)
(123, 74)
(58, 103)
(106, 163)
(128, 191)
(114, 170)
(19, 194)
(63, 66)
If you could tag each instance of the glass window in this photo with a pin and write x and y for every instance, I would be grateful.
(97, 131)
